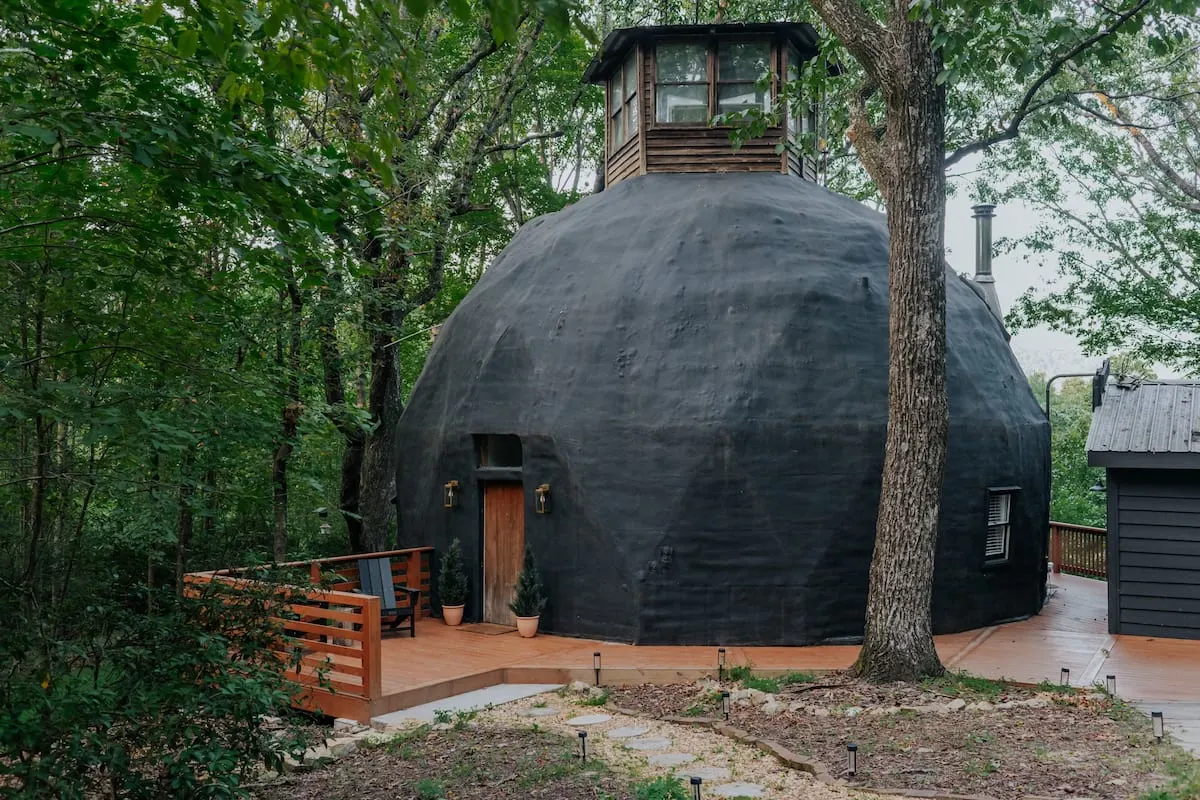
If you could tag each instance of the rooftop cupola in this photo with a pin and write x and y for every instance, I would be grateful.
(665, 84)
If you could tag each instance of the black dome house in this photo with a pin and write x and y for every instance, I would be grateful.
(675, 391)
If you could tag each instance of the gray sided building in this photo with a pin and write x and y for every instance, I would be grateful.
(1146, 434)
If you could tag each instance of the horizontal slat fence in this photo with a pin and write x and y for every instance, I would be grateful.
(1079, 550)
(331, 632)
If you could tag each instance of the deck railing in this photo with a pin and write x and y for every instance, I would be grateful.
(331, 633)
(1079, 549)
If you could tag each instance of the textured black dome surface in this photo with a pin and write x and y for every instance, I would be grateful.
(697, 365)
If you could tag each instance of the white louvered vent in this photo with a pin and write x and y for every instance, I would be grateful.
(998, 504)
(996, 546)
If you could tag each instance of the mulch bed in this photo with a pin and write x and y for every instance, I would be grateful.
(1081, 745)
(468, 764)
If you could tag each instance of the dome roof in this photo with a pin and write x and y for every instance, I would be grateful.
(697, 364)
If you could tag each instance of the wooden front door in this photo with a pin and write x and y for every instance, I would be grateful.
(503, 548)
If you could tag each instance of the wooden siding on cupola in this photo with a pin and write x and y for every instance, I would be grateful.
(659, 147)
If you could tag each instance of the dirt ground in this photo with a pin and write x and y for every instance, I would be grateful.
(467, 764)
(1074, 743)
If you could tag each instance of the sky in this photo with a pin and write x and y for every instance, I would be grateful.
(1038, 349)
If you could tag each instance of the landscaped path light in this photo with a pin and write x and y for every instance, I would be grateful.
(1064, 677)
(1110, 683)
(1157, 718)
(720, 663)
(852, 759)
(725, 705)
(583, 746)
(596, 665)
(696, 781)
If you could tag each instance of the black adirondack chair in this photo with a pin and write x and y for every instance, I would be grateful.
(375, 577)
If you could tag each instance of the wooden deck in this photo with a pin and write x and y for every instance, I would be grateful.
(1071, 632)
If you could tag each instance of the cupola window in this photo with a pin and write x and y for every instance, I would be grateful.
(685, 72)
(682, 82)
(739, 66)
(622, 103)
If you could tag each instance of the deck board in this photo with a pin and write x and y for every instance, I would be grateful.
(1072, 632)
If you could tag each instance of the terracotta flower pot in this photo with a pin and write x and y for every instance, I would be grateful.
(527, 626)
(452, 615)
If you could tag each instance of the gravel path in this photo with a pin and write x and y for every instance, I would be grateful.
(712, 750)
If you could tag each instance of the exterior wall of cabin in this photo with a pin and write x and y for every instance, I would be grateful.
(666, 147)
(1154, 552)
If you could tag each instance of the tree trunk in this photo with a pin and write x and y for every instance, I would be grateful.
(898, 640)
(186, 520)
(335, 398)
(290, 421)
(378, 477)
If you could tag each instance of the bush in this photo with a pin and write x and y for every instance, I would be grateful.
(661, 788)
(452, 581)
(529, 600)
(137, 705)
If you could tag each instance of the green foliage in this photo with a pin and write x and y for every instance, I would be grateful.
(143, 705)
(1072, 499)
(661, 788)
(597, 699)
(430, 789)
(528, 600)
(452, 580)
(962, 684)
(1183, 783)
(744, 674)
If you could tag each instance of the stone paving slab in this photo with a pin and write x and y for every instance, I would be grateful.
(589, 719)
(628, 732)
(652, 743)
(470, 701)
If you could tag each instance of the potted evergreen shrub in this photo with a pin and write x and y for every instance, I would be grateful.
(529, 601)
(452, 584)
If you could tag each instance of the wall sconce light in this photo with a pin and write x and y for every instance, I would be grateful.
(725, 705)
(1110, 684)
(1157, 718)
(720, 663)
(852, 758)
(542, 499)
(450, 494)
(696, 781)
(596, 665)
(583, 746)
(1098, 486)
(1064, 677)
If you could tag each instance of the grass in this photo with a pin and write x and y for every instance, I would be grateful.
(744, 675)
(1184, 784)
(962, 684)
(405, 743)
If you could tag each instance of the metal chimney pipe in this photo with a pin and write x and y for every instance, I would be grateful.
(983, 257)
(984, 212)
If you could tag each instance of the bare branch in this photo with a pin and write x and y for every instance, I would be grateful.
(533, 137)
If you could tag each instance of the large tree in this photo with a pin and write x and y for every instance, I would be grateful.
(923, 64)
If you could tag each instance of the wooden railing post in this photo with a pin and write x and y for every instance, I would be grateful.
(314, 573)
(412, 576)
(1056, 548)
(372, 661)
